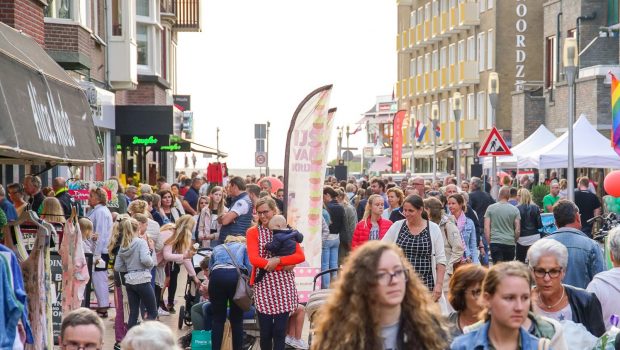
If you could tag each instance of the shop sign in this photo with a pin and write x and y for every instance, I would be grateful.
(175, 147)
(145, 141)
(80, 190)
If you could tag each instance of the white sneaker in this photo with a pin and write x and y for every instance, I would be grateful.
(301, 344)
(162, 312)
(290, 341)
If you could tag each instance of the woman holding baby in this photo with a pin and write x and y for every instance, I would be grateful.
(275, 295)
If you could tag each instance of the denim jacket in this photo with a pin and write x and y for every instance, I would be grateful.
(479, 340)
(469, 237)
(585, 258)
(220, 256)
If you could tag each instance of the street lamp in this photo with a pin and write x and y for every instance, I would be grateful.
(457, 107)
(493, 90)
(434, 120)
(571, 61)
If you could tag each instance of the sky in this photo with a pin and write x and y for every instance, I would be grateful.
(255, 61)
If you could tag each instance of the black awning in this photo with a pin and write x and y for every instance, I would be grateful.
(44, 114)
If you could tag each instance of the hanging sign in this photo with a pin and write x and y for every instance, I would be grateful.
(494, 145)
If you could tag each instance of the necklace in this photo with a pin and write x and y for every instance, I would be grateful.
(554, 305)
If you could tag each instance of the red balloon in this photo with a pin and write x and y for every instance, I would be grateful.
(612, 183)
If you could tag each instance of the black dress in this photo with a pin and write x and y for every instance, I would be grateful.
(419, 251)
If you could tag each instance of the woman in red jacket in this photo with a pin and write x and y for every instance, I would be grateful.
(275, 295)
(372, 227)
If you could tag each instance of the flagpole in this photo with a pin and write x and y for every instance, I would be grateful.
(412, 132)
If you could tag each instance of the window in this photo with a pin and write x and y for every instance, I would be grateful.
(570, 33)
(435, 62)
(412, 19)
(471, 107)
(142, 40)
(481, 104)
(420, 114)
(63, 9)
(79, 11)
(427, 112)
(471, 48)
(412, 67)
(481, 51)
(427, 63)
(489, 114)
(444, 6)
(451, 54)
(442, 57)
(116, 14)
(420, 65)
(142, 8)
(420, 15)
(489, 5)
(152, 57)
(461, 51)
(483, 5)
(550, 62)
(490, 49)
(435, 8)
(427, 12)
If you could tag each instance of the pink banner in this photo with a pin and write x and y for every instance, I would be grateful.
(397, 141)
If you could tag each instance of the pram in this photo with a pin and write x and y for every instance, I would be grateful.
(317, 299)
(192, 296)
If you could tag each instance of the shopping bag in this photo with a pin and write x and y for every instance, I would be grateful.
(201, 340)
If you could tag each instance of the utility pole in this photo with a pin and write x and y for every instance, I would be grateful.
(267, 146)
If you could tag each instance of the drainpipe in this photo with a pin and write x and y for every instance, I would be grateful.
(558, 36)
(579, 19)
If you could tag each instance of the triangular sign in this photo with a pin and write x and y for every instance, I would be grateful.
(494, 145)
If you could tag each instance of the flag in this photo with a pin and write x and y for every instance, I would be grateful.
(305, 161)
(397, 141)
(615, 114)
(438, 131)
(358, 129)
(420, 130)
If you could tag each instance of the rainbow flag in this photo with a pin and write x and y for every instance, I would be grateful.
(615, 114)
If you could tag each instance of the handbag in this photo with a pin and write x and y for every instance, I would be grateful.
(244, 294)
(201, 340)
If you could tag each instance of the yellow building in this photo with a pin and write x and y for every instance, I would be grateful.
(448, 46)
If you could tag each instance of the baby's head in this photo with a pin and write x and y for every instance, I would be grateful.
(277, 222)
(86, 227)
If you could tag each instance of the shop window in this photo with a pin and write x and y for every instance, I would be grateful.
(116, 14)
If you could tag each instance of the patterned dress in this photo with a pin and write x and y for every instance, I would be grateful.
(276, 292)
(419, 251)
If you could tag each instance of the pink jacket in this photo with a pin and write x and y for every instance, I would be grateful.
(166, 255)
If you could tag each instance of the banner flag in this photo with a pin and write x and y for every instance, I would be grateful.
(615, 114)
(305, 162)
(420, 130)
(397, 141)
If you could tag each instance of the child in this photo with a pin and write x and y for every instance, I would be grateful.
(88, 241)
(284, 241)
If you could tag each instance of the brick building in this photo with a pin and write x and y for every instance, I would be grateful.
(448, 46)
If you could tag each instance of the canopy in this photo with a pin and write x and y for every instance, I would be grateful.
(44, 113)
(591, 150)
(536, 141)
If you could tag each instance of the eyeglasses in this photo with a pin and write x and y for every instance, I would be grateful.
(553, 273)
(264, 212)
(385, 278)
(73, 346)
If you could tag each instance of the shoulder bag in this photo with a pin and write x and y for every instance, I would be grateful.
(244, 294)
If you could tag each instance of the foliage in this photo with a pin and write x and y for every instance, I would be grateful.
(538, 193)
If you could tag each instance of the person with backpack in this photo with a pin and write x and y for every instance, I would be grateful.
(530, 223)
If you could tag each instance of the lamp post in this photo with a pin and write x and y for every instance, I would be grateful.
(457, 107)
(339, 146)
(493, 90)
(412, 138)
(434, 119)
(571, 61)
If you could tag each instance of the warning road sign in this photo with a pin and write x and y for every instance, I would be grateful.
(494, 145)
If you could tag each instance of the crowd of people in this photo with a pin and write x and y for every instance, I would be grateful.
(429, 265)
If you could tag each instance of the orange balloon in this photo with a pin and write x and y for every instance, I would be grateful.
(612, 183)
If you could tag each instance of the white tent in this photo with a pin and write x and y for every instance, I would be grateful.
(591, 150)
(539, 139)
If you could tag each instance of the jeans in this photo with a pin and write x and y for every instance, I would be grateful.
(140, 293)
(222, 287)
(502, 252)
(484, 259)
(329, 260)
(272, 331)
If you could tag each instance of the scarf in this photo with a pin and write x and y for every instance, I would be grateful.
(460, 221)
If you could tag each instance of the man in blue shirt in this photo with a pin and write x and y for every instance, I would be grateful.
(190, 200)
(585, 258)
(7, 207)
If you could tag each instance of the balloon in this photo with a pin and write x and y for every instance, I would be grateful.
(612, 183)
(617, 200)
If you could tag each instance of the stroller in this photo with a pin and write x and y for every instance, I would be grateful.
(192, 296)
(317, 299)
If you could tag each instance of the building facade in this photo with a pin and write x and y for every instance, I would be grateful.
(449, 46)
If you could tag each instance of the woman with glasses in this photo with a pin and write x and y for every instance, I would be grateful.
(16, 195)
(422, 242)
(465, 289)
(275, 295)
(379, 286)
(548, 260)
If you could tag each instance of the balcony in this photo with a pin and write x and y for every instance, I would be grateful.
(468, 73)
(187, 16)
(413, 40)
(412, 86)
(467, 129)
(443, 81)
(469, 15)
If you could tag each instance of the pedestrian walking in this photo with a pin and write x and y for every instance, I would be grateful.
(530, 223)
(589, 205)
(606, 285)
(502, 227)
(464, 293)
(466, 227)
(101, 218)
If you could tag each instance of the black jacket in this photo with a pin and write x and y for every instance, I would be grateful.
(480, 201)
(336, 216)
(66, 201)
(397, 214)
(586, 309)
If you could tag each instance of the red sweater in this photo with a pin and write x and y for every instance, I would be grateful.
(259, 262)
(362, 231)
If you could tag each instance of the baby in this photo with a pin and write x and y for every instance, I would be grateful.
(284, 241)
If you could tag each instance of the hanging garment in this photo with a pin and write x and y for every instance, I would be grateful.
(10, 307)
(75, 274)
(18, 288)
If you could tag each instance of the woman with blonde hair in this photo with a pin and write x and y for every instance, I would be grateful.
(373, 225)
(178, 250)
(506, 297)
(52, 212)
(202, 230)
(386, 305)
(530, 223)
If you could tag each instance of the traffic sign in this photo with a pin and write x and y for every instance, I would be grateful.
(260, 159)
(494, 145)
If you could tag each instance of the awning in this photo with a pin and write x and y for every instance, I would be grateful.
(426, 152)
(196, 147)
(44, 113)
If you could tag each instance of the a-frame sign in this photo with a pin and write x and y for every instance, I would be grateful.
(494, 145)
